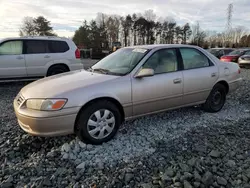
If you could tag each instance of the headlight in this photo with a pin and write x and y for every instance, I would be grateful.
(45, 104)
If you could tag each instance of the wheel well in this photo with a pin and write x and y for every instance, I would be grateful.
(224, 83)
(114, 101)
(58, 64)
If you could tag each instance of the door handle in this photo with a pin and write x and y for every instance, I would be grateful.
(177, 80)
(47, 56)
(213, 74)
(19, 57)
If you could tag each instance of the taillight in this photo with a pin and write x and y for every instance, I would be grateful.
(77, 54)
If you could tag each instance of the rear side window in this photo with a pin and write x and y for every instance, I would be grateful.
(11, 48)
(58, 46)
(36, 47)
(192, 58)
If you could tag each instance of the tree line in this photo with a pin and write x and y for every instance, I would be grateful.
(135, 29)
(140, 29)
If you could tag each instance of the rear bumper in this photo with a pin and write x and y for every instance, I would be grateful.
(234, 85)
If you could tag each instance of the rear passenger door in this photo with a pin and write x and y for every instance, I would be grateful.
(199, 75)
(37, 56)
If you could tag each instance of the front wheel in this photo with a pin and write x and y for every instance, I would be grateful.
(216, 99)
(98, 123)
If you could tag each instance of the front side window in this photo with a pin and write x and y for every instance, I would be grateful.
(11, 48)
(36, 47)
(121, 61)
(163, 61)
(192, 59)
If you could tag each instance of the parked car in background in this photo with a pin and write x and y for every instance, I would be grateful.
(129, 83)
(36, 57)
(244, 61)
(234, 55)
(219, 52)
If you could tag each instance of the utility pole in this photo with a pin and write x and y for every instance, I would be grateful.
(229, 23)
(229, 16)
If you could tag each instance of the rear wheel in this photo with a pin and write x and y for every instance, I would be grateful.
(216, 99)
(98, 122)
(57, 69)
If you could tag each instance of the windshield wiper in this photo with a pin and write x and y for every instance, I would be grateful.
(98, 70)
(104, 71)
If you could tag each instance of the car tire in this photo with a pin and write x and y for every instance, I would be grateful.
(93, 122)
(57, 69)
(216, 99)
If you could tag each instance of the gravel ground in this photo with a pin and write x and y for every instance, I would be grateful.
(181, 148)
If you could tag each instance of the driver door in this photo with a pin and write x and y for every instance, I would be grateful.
(161, 91)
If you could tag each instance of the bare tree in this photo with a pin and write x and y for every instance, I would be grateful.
(211, 38)
(112, 26)
(198, 35)
(238, 33)
(149, 15)
(28, 27)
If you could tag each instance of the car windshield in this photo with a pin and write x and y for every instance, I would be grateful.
(120, 62)
(236, 52)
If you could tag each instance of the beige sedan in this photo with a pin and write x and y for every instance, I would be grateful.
(129, 83)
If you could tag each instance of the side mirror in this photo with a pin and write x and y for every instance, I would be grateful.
(145, 72)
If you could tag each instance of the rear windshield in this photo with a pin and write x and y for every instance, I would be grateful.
(236, 52)
(214, 51)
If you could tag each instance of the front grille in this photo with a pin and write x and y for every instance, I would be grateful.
(19, 99)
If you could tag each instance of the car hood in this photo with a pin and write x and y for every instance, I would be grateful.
(57, 85)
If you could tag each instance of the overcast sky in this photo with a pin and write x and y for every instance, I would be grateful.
(67, 15)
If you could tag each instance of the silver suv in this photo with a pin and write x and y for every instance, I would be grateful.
(29, 58)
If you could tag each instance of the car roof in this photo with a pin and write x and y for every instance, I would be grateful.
(153, 46)
(36, 38)
(222, 48)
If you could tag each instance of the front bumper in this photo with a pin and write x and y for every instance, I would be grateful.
(41, 123)
(244, 62)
